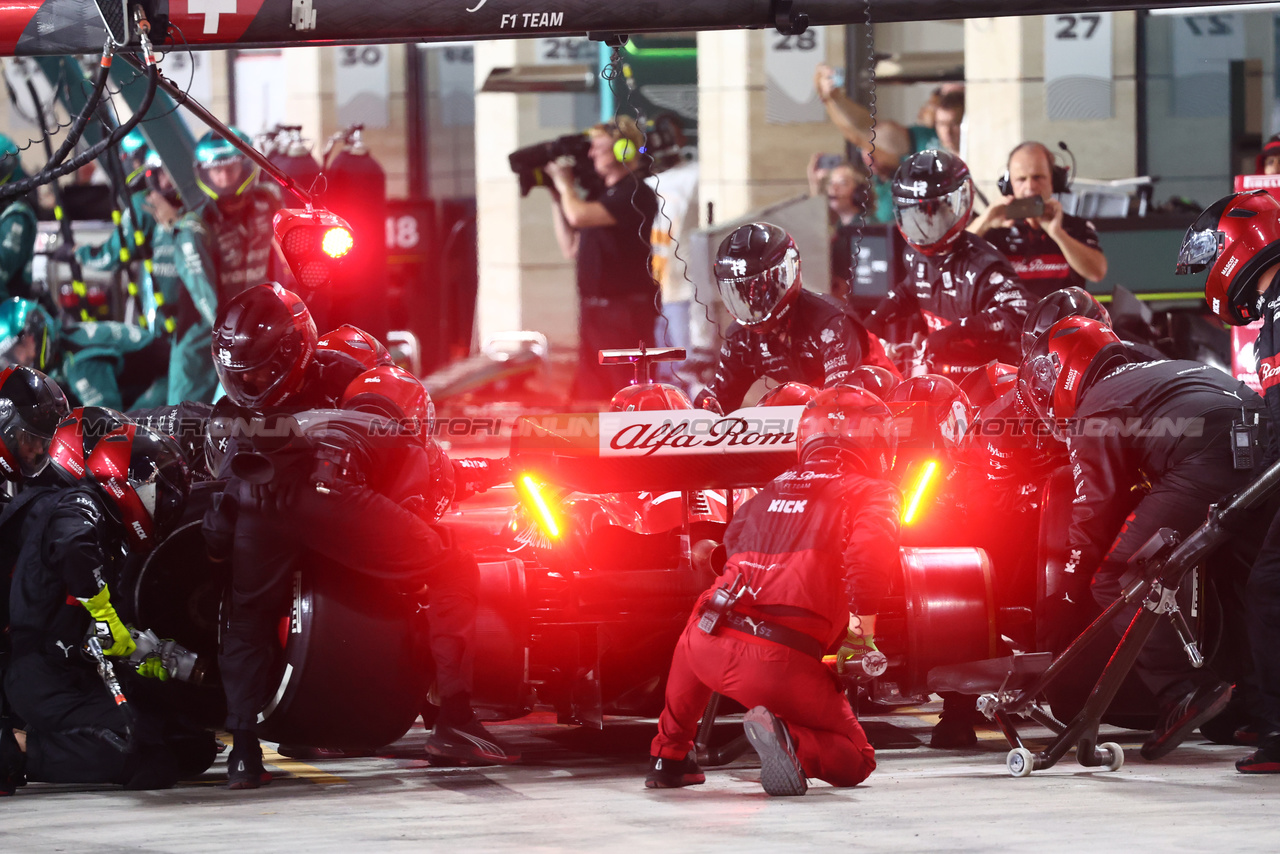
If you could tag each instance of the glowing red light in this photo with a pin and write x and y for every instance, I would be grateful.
(337, 241)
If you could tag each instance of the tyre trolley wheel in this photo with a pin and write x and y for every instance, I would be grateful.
(1020, 762)
(1116, 753)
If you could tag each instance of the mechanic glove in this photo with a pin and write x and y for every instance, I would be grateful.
(152, 667)
(706, 400)
(107, 625)
(858, 657)
(478, 474)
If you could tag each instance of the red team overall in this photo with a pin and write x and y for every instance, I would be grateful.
(808, 562)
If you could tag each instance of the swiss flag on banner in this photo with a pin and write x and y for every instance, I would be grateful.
(1244, 361)
(213, 20)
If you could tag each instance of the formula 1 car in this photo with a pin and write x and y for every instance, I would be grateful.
(582, 617)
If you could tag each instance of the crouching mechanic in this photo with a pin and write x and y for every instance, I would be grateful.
(73, 542)
(809, 560)
(780, 330)
(100, 363)
(264, 347)
(1151, 446)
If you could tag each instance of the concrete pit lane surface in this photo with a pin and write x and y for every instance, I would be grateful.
(583, 790)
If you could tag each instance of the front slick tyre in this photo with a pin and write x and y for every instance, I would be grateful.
(780, 771)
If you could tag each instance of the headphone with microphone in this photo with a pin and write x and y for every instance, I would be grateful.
(1061, 174)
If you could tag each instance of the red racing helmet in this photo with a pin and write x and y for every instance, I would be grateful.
(852, 423)
(356, 344)
(984, 385)
(1235, 239)
(1061, 365)
(394, 392)
(262, 345)
(946, 405)
(1067, 302)
(145, 481)
(879, 381)
(788, 394)
(77, 436)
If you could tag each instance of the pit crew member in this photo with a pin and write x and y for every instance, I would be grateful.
(780, 330)
(1160, 431)
(74, 540)
(959, 292)
(265, 343)
(809, 559)
(99, 363)
(1237, 240)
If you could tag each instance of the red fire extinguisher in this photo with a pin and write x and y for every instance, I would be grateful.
(356, 189)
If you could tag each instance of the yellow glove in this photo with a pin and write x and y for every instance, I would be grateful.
(107, 624)
(152, 667)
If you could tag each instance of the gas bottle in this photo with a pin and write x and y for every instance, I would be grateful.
(356, 190)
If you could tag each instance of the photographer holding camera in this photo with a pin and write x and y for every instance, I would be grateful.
(608, 233)
(1049, 249)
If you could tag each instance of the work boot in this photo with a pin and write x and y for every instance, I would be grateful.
(244, 765)
(1236, 724)
(13, 762)
(155, 768)
(955, 727)
(780, 771)
(1264, 760)
(673, 773)
(458, 736)
(1181, 719)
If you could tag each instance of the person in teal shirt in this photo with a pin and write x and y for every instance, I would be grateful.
(17, 228)
(893, 141)
(219, 251)
(100, 363)
(138, 239)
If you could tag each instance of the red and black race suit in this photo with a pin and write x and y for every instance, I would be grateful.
(819, 345)
(1037, 259)
(971, 294)
(1150, 448)
(1137, 425)
(1263, 592)
(815, 545)
(1267, 350)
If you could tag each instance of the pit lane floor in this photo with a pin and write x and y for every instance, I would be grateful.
(582, 790)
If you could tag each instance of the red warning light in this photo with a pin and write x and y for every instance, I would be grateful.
(337, 242)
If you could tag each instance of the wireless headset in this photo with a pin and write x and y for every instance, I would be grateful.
(1061, 175)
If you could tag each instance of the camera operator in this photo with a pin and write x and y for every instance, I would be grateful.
(608, 233)
(1050, 250)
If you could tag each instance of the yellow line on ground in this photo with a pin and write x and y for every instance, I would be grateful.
(299, 769)
(293, 766)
